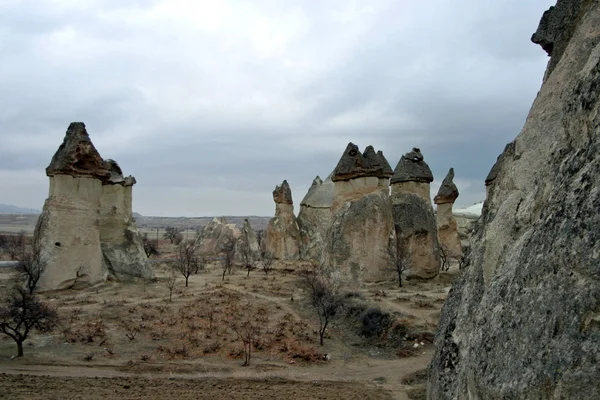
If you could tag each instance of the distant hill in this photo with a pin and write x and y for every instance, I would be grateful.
(10, 209)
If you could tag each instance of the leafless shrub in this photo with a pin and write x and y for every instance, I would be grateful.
(187, 261)
(173, 234)
(170, 283)
(30, 267)
(267, 261)
(247, 327)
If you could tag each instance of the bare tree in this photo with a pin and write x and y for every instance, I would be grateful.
(170, 283)
(150, 246)
(401, 263)
(247, 327)
(15, 245)
(247, 257)
(267, 262)
(173, 234)
(187, 261)
(30, 267)
(23, 312)
(324, 297)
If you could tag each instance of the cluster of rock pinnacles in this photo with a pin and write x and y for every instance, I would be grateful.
(352, 222)
(365, 218)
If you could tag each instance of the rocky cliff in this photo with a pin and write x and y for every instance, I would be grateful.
(523, 319)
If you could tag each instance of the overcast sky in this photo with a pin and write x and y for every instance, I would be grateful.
(210, 104)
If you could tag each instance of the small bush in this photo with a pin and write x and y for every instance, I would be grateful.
(375, 323)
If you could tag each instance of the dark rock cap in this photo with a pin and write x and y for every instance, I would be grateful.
(283, 194)
(77, 156)
(448, 191)
(353, 164)
(556, 29)
(116, 175)
(412, 168)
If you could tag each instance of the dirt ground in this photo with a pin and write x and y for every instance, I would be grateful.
(128, 340)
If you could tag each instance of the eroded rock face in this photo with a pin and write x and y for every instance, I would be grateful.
(217, 237)
(68, 234)
(361, 239)
(282, 237)
(446, 224)
(247, 245)
(86, 232)
(314, 219)
(121, 243)
(414, 221)
(522, 320)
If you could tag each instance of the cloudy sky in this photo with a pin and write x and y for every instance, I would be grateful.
(210, 104)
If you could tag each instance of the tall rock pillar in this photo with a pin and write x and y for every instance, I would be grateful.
(415, 224)
(67, 230)
(314, 219)
(282, 237)
(446, 224)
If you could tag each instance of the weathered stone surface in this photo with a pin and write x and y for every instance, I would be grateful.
(77, 156)
(361, 240)
(217, 237)
(353, 164)
(314, 219)
(412, 168)
(282, 237)
(68, 234)
(86, 230)
(121, 243)
(522, 320)
(416, 235)
(247, 245)
(283, 194)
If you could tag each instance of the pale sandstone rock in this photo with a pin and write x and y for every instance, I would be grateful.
(247, 244)
(446, 224)
(415, 224)
(314, 219)
(68, 234)
(522, 320)
(361, 239)
(282, 237)
(122, 246)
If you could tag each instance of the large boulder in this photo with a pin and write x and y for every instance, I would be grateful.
(414, 220)
(282, 237)
(522, 320)
(361, 240)
(314, 219)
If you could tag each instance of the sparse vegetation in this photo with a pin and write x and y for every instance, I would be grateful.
(30, 267)
(187, 261)
(173, 234)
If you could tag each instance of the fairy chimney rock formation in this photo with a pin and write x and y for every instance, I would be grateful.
(247, 249)
(69, 229)
(282, 237)
(314, 218)
(415, 223)
(446, 224)
(361, 234)
(522, 320)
